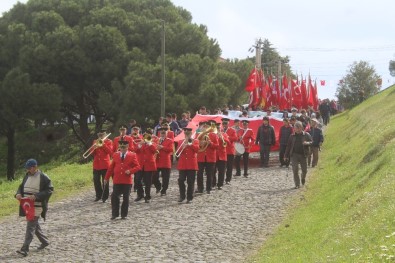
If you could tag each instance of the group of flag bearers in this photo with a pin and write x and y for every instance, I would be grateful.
(143, 159)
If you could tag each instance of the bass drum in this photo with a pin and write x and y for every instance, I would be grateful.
(239, 148)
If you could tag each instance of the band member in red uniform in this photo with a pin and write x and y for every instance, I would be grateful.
(136, 136)
(163, 162)
(246, 137)
(230, 148)
(123, 137)
(187, 164)
(103, 149)
(207, 156)
(124, 164)
(146, 152)
(220, 165)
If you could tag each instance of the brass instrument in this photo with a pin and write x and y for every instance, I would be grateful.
(182, 147)
(99, 143)
(203, 137)
(224, 144)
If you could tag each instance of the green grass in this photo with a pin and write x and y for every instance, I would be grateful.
(67, 180)
(347, 214)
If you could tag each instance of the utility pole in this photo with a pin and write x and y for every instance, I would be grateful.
(258, 54)
(163, 96)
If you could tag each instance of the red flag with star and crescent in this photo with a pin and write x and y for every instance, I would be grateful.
(27, 205)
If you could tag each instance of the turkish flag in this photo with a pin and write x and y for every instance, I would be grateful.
(322, 82)
(252, 81)
(28, 207)
(296, 92)
(303, 89)
(285, 101)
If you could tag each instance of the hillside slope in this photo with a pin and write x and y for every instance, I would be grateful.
(347, 211)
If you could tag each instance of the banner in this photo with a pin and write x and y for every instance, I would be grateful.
(254, 124)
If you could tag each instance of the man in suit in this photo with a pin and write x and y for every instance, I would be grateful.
(122, 168)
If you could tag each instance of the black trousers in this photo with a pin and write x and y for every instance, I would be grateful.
(282, 153)
(245, 163)
(209, 168)
(229, 167)
(189, 176)
(117, 191)
(220, 167)
(145, 176)
(98, 178)
(165, 173)
(264, 151)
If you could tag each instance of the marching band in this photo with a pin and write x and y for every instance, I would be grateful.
(146, 160)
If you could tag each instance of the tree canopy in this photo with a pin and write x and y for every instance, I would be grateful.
(360, 83)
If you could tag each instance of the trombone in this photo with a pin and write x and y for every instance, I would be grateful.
(98, 143)
(181, 148)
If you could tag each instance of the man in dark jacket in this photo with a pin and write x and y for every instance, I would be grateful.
(285, 131)
(37, 187)
(298, 150)
(266, 138)
(318, 139)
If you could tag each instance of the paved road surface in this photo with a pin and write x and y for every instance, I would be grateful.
(226, 226)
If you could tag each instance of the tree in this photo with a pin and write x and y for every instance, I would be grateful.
(22, 102)
(392, 68)
(360, 83)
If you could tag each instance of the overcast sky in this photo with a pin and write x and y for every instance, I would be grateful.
(321, 37)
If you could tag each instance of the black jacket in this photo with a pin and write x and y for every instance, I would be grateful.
(291, 142)
(43, 196)
(265, 140)
(316, 135)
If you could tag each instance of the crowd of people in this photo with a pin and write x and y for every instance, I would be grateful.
(137, 160)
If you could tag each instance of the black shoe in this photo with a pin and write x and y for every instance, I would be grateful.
(157, 191)
(147, 201)
(246, 175)
(303, 181)
(219, 188)
(113, 217)
(228, 183)
(97, 199)
(189, 201)
(181, 200)
(237, 175)
(208, 192)
(162, 194)
(42, 246)
(22, 252)
(138, 199)
(199, 191)
(297, 187)
(124, 217)
(104, 200)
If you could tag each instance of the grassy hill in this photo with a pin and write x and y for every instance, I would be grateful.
(347, 211)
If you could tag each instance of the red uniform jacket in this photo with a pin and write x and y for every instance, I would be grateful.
(210, 154)
(146, 157)
(125, 138)
(170, 135)
(248, 138)
(221, 150)
(188, 157)
(232, 135)
(118, 168)
(101, 155)
(163, 158)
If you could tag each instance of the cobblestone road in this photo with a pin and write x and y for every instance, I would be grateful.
(225, 226)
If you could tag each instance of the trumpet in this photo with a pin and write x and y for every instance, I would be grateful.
(224, 144)
(99, 143)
